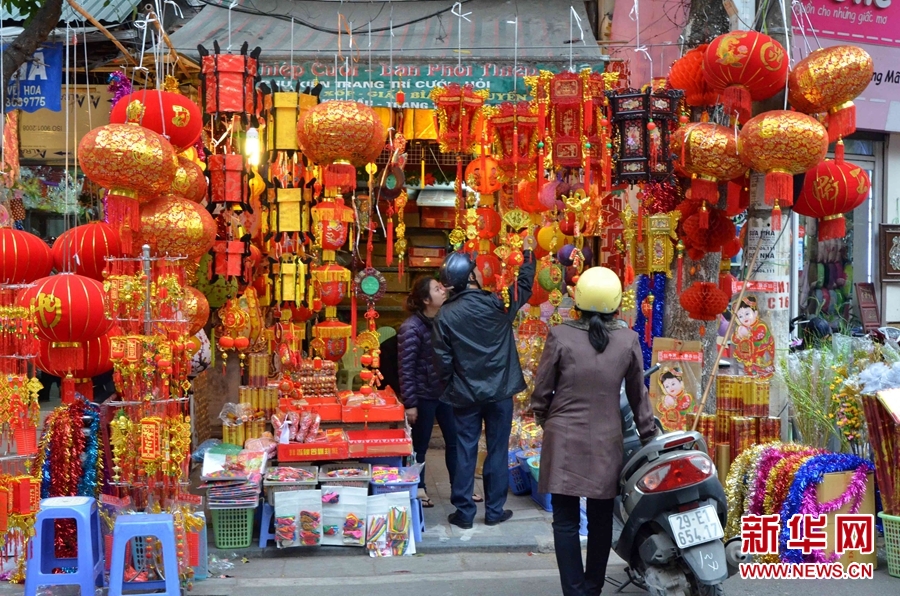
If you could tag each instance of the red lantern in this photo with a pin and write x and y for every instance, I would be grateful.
(172, 115)
(687, 74)
(567, 224)
(567, 113)
(68, 310)
(745, 66)
(333, 336)
(704, 301)
(190, 181)
(23, 257)
(346, 133)
(718, 231)
(709, 153)
(482, 175)
(832, 188)
(538, 294)
(780, 144)
(455, 109)
(226, 179)
(332, 219)
(332, 283)
(95, 357)
(514, 128)
(228, 81)
(490, 268)
(175, 226)
(488, 223)
(84, 249)
(527, 198)
(195, 309)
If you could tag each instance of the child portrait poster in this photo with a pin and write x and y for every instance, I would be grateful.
(675, 387)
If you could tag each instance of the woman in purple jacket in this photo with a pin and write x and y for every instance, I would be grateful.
(420, 388)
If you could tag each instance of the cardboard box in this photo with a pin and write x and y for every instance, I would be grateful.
(411, 217)
(438, 217)
(833, 486)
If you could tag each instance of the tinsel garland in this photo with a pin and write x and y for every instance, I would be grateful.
(89, 485)
(660, 197)
(646, 285)
(769, 459)
(808, 477)
(736, 488)
(119, 86)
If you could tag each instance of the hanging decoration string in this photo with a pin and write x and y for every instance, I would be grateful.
(230, 6)
(515, 23)
(574, 19)
(635, 15)
(460, 15)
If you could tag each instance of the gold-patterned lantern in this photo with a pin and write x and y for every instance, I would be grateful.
(655, 253)
(708, 152)
(827, 81)
(195, 309)
(331, 339)
(514, 128)
(331, 284)
(175, 226)
(190, 181)
(456, 107)
(131, 162)
(781, 144)
(331, 219)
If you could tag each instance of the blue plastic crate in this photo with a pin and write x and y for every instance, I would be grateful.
(543, 500)
(518, 481)
(201, 571)
(389, 461)
(396, 487)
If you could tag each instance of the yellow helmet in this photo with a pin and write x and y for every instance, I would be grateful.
(598, 290)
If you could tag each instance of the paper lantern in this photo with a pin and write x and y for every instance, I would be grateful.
(745, 66)
(527, 198)
(704, 301)
(490, 267)
(331, 220)
(195, 309)
(95, 360)
(175, 226)
(488, 222)
(482, 175)
(781, 144)
(538, 295)
(172, 115)
(130, 161)
(84, 249)
(341, 132)
(282, 121)
(190, 181)
(687, 74)
(332, 336)
(514, 128)
(550, 277)
(827, 81)
(708, 152)
(832, 188)
(642, 121)
(228, 81)
(551, 238)
(331, 282)
(227, 182)
(711, 237)
(456, 108)
(24, 257)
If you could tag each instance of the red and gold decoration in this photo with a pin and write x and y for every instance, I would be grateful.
(95, 357)
(709, 153)
(745, 66)
(514, 129)
(190, 182)
(780, 144)
(85, 249)
(24, 257)
(830, 189)
(171, 115)
(195, 309)
(828, 80)
(456, 110)
(228, 81)
(176, 227)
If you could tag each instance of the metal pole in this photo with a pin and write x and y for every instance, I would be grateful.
(145, 257)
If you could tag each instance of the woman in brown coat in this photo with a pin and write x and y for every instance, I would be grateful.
(576, 401)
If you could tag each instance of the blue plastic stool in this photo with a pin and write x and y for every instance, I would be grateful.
(268, 514)
(162, 527)
(42, 551)
(417, 515)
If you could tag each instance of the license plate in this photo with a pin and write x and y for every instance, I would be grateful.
(696, 526)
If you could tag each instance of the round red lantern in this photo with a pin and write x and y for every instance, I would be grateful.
(687, 74)
(711, 236)
(95, 359)
(527, 198)
(175, 226)
(488, 223)
(490, 267)
(332, 283)
(190, 181)
(333, 336)
(538, 294)
(172, 115)
(832, 188)
(780, 144)
(481, 175)
(709, 153)
(195, 309)
(827, 81)
(84, 249)
(704, 301)
(341, 131)
(745, 66)
(23, 257)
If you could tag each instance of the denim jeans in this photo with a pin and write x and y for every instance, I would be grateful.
(497, 420)
(429, 411)
(578, 578)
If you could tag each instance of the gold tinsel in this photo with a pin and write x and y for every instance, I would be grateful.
(736, 486)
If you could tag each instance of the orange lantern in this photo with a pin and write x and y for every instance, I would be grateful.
(24, 257)
(482, 175)
(745, 66)
(687, 74)
(175, 226)
(84, 249)
(170, 114)
(828, 80)
(488, 222)
(708, 152)
(832, 188)
(781, 144)
(456, 107)
(195, 309)
(190, 181)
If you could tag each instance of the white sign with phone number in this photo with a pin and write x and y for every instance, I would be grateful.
(770, 279)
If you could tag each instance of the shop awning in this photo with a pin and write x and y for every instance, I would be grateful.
(108, 13)
(426, 37)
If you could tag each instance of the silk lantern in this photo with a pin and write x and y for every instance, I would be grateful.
(832, 188)
(228, 81)
(131, 162)
(84, 249)
(781, 144)
(490, 267)
(482, 175)
(95, 358)
(190, 181)
(745, 66)
(331, 220)
(282, 116)
(488, 222)
(332, 283)
(827, 81)
(24, 257)
(514, 128)
(227, 181)
(175, 226)
(527, 197)
(708, 152)
(331, 339)
(456, 107)
(172, 115)
(687, 74)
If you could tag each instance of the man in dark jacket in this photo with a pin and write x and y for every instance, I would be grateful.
(477, 361)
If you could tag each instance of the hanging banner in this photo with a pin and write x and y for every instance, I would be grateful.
(38, 83)
(854, 22)
(378, 88)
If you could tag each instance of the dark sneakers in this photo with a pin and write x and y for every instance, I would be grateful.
(507, 513)
(457, 521)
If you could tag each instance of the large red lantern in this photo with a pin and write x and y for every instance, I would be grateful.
(68, 310)
(781, 144)
(331, 281)
(229, 81)
(23, 257)
(708, 152)
(514, 129)
(84, 249)
(482, 175)
(331, 337)
(177, 227)
(190, 181)
(527, 197)
(687, 74)
(828, 80)
(745, 66)
(832, 188)
(455, 109)
(170, 114)
(704, 301)
(95, 357)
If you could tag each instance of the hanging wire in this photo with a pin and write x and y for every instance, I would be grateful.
(67, 257)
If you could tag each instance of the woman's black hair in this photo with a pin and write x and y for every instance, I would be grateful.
(420, 292)
(598, 333)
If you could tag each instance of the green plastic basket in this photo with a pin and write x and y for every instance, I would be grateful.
(892, 542)
(233, 528)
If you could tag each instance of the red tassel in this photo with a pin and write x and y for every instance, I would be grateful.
(68, 390)
(779, 189)
(839, 152)
(400, 269)
(736, 98)
(679, 275)
(542, 123)
(341, 176)
(389, 258)
(704, 217)
(629, 274)
(733, 207)
(776, 218)
(640, 221)
(833, 227)
(842, 122)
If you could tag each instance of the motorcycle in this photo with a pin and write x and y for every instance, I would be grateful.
(669, 516)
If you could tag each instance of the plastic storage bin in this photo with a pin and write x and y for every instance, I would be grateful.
(892, 542)
(519, 483)
(233, 528)
(273, 487)
(543, 500)
(361, 481)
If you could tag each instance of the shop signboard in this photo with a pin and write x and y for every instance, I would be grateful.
(855, 21)
(43, 135)
(377, 86)
(38, 82)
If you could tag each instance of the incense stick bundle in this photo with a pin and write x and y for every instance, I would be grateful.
(884, 436)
